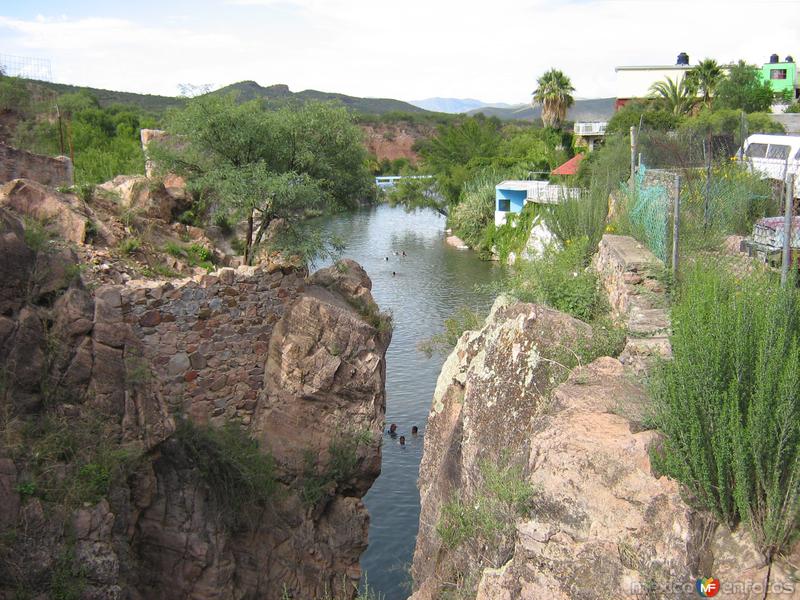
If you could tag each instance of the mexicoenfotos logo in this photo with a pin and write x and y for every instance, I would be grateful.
(707, 588)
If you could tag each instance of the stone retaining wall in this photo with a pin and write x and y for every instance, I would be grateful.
(19, 164)
(632, 277)
(206, 338)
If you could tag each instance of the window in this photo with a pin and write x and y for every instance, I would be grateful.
(504, 205)
(778, 151)
(756, 151)
(777, 74)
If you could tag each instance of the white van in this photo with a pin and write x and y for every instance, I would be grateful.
(774, 157)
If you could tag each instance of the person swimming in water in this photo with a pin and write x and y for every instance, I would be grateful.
(404, 253)
(402, 440)
(414, 430)
(392, 430)
(394, 273)
(385, 258)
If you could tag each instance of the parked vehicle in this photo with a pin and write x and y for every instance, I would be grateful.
(774, 157)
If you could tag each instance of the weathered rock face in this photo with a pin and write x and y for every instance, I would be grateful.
(298, 365)
(15, 163)
(490, 389)
(151, 197)
(602, 524)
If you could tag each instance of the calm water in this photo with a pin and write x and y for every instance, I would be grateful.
(432, 281)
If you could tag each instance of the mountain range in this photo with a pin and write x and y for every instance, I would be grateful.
(456, 105)
(594, 109)
(279, 94)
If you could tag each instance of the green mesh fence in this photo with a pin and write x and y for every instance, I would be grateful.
(648, 211)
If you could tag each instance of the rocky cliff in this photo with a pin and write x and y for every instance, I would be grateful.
(205, 437)
(534, 489)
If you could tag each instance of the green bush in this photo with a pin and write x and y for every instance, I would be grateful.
(318, 482)
(513, 235)
(560, 279)
(729, 401)
(238, 474)
(465, 319)
(580, 218)
(130, 245)
(72, 461)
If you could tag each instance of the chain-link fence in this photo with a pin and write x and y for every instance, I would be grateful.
(719, 194)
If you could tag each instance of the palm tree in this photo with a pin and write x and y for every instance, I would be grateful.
(554, 95)
(678, 95)
(706, 76)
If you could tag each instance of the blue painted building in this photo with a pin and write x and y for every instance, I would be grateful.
(512, 195)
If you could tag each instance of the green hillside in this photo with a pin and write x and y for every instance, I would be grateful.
(246, 90)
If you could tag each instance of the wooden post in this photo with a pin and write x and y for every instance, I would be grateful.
(60, 131)
(676, 218)
(787, 230)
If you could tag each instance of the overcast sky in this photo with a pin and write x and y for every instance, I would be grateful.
(407, 49)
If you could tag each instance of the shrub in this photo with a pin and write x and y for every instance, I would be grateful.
(560, 279)
(580, 218)
(513, 235)
(729, 401)
(238, 474)
(465, 319)
(317, 484)
(130, 245)
(73, 461)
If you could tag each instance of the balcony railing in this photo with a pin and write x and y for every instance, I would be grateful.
(598, 128)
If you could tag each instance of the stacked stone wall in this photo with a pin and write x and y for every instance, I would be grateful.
(206, 338)
(19, 164)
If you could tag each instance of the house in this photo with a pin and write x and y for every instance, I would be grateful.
(635, 81)
(589, 133)
(782, 76)
(512, 195)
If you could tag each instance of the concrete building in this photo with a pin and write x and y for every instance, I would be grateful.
(781, 76)
(513, 194)
(635, 81)
(589, 133)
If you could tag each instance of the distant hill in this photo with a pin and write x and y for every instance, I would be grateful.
(596, 109)
(249, 90)
(456, 105)
(246, 90)
(148, 102)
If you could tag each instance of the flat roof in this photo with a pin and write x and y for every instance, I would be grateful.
(521, 184)
(653, 68)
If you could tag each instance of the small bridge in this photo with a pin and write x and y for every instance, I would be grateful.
(389, 181)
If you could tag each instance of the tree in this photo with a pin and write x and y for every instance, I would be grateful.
(678, 96)
(554, 95)
(263, 166)
(744, 90)
(648, 113)
(705, 77)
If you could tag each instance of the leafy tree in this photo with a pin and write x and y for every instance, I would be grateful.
(677, 96)
(648, 113)
(14, 95)
(743, 89)
(453, 153)
(554, 95)
(706, 77)
(263, 166)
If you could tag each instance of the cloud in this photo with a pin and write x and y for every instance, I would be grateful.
(413, 49)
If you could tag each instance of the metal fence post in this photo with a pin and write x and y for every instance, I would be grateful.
(676, 218)
(707, 206)
(787, 230)
(634, 152)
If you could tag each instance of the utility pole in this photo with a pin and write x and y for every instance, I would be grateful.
(60, 131)
(787, 230)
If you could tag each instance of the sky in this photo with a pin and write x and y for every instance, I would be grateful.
(405, 49)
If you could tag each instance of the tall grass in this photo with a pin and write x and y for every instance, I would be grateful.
(729, 401)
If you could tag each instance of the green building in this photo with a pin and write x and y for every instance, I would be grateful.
(782, 76)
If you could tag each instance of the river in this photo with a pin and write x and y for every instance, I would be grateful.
(431, 282)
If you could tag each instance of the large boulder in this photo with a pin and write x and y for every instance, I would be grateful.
(65, 214)
(149, 197)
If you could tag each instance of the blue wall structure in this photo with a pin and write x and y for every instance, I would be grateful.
(509, 200)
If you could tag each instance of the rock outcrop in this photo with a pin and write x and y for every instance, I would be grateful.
(297, 365)
(599, 521)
